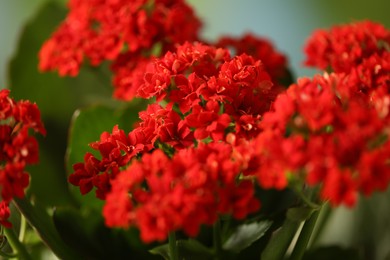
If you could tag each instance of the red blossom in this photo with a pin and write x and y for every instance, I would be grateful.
(207, 95)
(345, 46)
(102, 30)
(260, 49)
(165, 125)
(18, 148)
(129, 75)
(4, 215)
(116, 150)
(167, 72)
(373, 74)
(181, 193)
(327, 132)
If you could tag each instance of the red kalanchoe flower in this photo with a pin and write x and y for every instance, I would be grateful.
(170, 71)
(116, 150)
(323, 130)
(207, 95)
(345, 46)
(372, 76)
(129, 75)
(157, 125)
(18, 148)
(4, 215)
(101, 30)
(159, 195)
(211, 89)
(260, 49)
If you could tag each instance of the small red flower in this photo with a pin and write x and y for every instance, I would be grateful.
(159, 195)
(4, 215)
(321, 131)
(18, 148)
(345, 46)
(260, 49)
(102, 30)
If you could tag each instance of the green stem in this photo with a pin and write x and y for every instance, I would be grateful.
(217, 239)
(304, 236)
(279, 243)
(40, 220)
(325, 213)
(7, 255)
(173, 250)
(23, 226)
(305, 199)
(17, 247)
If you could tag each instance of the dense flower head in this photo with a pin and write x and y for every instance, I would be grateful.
(332, 135)
(159, 194)
(18, 148)
(206, 95)
(169, 73)
(372, 76)
(116, 150)
(129, 75)
(259, 48)
(345, 46)
(223, 125)
(158, 125)
(101, 30)
(211, 89)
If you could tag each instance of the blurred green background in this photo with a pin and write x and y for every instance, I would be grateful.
(287, 24)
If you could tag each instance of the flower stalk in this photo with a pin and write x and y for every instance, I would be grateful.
(16, 245)
(173, 249)
(42, 222)
(217, 239)
(304, 236)
(279, 243)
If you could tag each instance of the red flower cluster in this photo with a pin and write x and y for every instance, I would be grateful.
(331, 135)
(159, 195)
(372, 76)
(207, 95)
(211, 90)
(102, 30)
(158, 125)
(349, 127)
(260, 49)
(18, 149)
(192, 157)
(346, 46)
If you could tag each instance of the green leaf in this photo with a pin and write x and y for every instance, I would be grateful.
(245, 235)
(89, 123)
(49, 93)
(299, 213)
(42, 222)
(193, 249)
(188, 249)
(162, 250)
(86, 127)
(84, 231)
(76, 233)
(332, 252)
(280, 241)
(57, 99)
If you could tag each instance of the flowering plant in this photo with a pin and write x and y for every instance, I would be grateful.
(200, 150)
